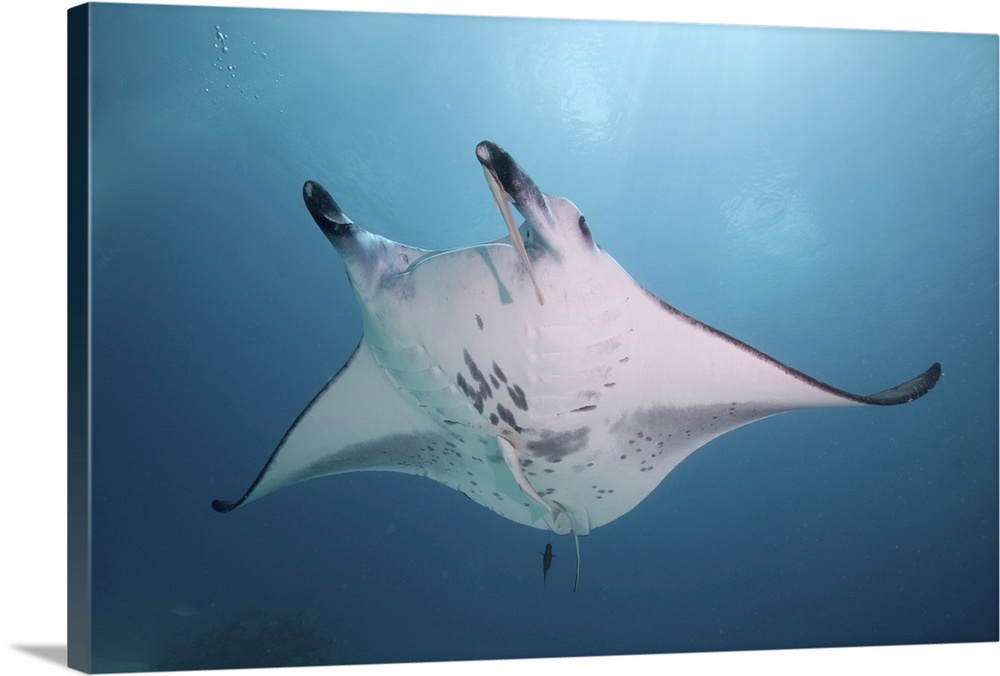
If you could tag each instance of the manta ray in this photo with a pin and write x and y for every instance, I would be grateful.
(531, 373)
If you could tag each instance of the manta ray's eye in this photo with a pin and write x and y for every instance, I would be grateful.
(584, 228)
(405, 259)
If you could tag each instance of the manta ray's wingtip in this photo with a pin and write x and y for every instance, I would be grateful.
(485, 148)
(933, 375)
(906, 392)
(325, 211)
(223, 506)
(926, 381)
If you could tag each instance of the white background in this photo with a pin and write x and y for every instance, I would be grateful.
(32, 335)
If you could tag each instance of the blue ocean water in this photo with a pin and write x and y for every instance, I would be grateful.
(830, 197)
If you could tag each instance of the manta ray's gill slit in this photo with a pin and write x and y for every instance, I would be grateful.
(588, 367)
(584, 356)
(599, 349)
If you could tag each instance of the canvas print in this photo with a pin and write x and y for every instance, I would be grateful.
(402, 333)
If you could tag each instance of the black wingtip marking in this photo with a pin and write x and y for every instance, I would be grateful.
(908, 391)
(326, 212)
(223, 506)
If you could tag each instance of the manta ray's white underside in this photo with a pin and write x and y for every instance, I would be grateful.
(563, 415)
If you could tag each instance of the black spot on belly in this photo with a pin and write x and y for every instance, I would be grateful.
(553, 445)
(494, 382)
(479, 322)
(500, 375)
(591, 407)
(464, 386)
(494, 420)
(483, 386)
(517, 396)
(473, 368)
(508, 417)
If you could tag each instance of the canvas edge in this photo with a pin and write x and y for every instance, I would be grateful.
(78, 633)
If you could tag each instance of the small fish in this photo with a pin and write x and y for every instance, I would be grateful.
(546, 561)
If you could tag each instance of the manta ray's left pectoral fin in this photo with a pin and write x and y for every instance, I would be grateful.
(357, 422)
